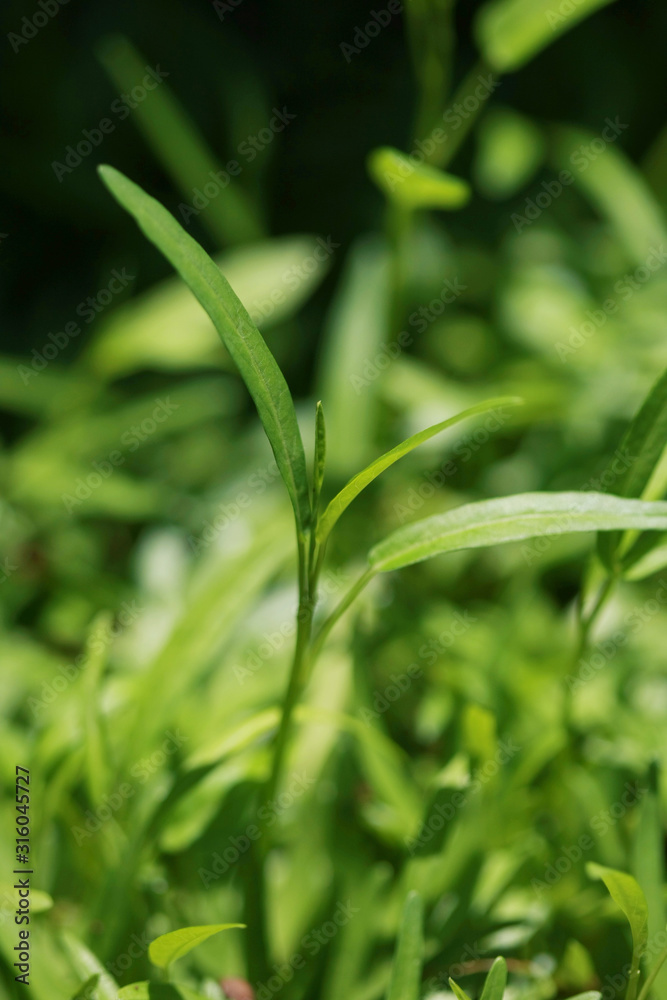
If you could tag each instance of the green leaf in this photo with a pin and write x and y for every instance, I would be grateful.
(637, 456)
(587, 995)
(241, 337)
(507, 519)
(458, 992)
(158, 991)
(510, 32)
(169, 947)
(320, 456)
(407, 965)
(86, 964)
(413, 184)
(359, 482)
(496, 981)
(626, 892)
(87, 990)
(649, 867)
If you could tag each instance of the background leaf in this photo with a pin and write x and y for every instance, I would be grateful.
(407, 965)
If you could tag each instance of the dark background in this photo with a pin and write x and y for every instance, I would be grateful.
(62, 236)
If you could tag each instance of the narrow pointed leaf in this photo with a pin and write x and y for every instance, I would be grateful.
(496, 981)
(457, 991)
(635, 460)
(649, 865)
(587, 995)
(258, 367)
(169, 947)
(320, 455)
(407, 965)
(359, 482)
(527, 515)
(415, 185)
(627, 894)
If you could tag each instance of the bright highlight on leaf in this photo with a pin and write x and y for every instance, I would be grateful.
(258, 367)
(359, 482)
(496, 981)
(413, 184)
(169, 947)
(407, 965)
(510, 32)
(157, 991)
(490, 522)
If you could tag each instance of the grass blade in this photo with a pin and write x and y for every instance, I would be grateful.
(649, 866)
(258, 367)
(491, 522)
(230, 215)
(359, 482)
(407, 966)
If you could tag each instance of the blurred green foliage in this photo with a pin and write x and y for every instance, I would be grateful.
(453, 739)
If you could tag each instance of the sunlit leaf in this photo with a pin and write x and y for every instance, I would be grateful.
(458, 992)
(87, 990)
(507, 519)
(158, 991)
(169, 947)
(510, 32)
(241, 337)
(359, 482)
(496, 981)
(415, 184)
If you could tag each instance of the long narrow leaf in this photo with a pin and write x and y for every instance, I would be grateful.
(239, 334)
(407, 965)
(527, 515)
(359, 482)
(496, 981)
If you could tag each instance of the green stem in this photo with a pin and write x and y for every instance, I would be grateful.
(338, 611)
(300, 664)
(646, 988)
(444, 152)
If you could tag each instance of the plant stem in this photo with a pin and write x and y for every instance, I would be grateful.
(444, 152)
(338, 611)
(300, 664)
(646, 988)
